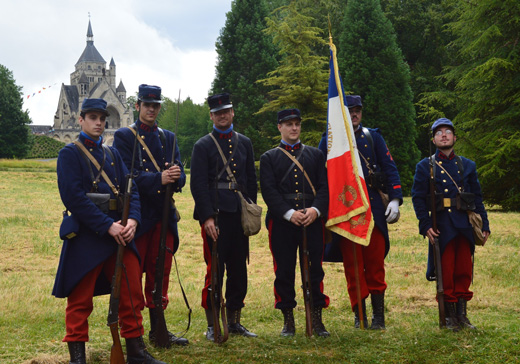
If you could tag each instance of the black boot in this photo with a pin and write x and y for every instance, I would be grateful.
(462, 315)
(172, 339)
(77, 352)
(357, 324)
(378, 311)
(451, 319)
(288, 322)
(210, 333)
(234, 326)
(317, 324)
(136, 352)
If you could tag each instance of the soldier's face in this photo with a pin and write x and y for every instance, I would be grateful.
(444, 138)
(356, 114)
(290, 130)
(148, 112)
(222, 119)
(93, 124)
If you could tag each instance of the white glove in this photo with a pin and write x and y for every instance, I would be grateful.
(392, 211)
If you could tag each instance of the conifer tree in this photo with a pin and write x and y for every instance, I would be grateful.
(301, 78)
(486, 77)
(14, 135)
(373, 67)
(245, 55)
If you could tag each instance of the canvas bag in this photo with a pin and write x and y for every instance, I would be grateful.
(251, 213)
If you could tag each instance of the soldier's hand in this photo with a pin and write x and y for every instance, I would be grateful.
(115, 231)
(392, 211)
(128, 232)
(486, 236)
(297, 218)
(309, 216)
(210, 229)
(171, 174)
(432, 234)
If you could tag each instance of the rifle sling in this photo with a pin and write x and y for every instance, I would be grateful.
(295, 161)
(96, 164)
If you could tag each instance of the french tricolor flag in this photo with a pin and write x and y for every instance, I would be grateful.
(349, 206)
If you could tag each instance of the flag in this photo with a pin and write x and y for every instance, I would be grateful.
(350, 214)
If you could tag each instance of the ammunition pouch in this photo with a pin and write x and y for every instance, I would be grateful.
(466, 201)
(69, 227)
(377, 180)
(104, 202)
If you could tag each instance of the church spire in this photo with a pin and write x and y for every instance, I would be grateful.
(90, 35)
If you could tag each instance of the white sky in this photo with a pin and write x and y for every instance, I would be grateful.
(169, 43)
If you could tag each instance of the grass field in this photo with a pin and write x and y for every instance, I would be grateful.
(32, 321)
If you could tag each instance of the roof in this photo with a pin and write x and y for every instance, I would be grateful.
(121, 87)
(90, 54)
(72, 95)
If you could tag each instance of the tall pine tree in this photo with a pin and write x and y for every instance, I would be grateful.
(301, 78)
(245, 55)
(373, 67)
(14, 138)
(487, 94)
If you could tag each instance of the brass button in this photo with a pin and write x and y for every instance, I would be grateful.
(446, 190)
(440, 162)
(449, 210)
(442, 172)
(142, 136)
(159, 191)
(146, 170)
(366, 146)
(230, 151)
(296, 191)
(295, 176)
(144, 160)
(296, 182)
(444, 180)
(295, 170)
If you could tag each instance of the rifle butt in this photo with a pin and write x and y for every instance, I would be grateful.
(116, 352)
(440, 286)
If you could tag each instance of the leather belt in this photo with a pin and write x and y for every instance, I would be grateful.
(297, 196)
(228, 186)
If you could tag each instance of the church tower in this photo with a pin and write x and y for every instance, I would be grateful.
(91, 79)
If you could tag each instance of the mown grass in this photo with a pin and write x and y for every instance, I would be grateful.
(32, 321)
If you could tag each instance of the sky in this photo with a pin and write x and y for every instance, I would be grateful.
(170, 44)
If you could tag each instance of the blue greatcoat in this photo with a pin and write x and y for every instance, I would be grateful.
(93, 245)
(450, 221)
(148, 179)
(380, 155)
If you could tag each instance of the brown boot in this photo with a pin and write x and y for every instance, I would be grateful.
(288, 322)
(462, 315)
(77, 352)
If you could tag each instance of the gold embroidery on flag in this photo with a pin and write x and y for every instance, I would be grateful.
(343, 196)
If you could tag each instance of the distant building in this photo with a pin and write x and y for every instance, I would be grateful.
(40, 129)
(91, 79)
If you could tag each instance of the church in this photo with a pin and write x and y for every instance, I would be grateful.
(91, 79)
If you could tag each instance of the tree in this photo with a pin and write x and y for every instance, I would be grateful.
(14, 138)
(420, 29)
(486, 79)
(194, 122)
(301, 78)
(373, 67)
(246, 54)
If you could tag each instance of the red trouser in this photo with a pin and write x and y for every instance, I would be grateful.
(371, 266)
(148, 247)
(79, 302)
(457, 270)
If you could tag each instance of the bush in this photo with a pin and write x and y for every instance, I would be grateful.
(44, 147)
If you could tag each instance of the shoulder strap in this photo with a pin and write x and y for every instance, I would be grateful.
(96, 164)
(224, 159)
(145, 147)
(370, 141)
(295, 161)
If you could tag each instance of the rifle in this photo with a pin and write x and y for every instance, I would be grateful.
(116, 352)
(436, 248)
(306, 279)
(161, 331)
(217, 301)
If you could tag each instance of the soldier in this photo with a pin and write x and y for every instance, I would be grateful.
(455, 177)
(381, 175)
(155, 169)
(214, 193)
(296, 198)
(88, 259)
